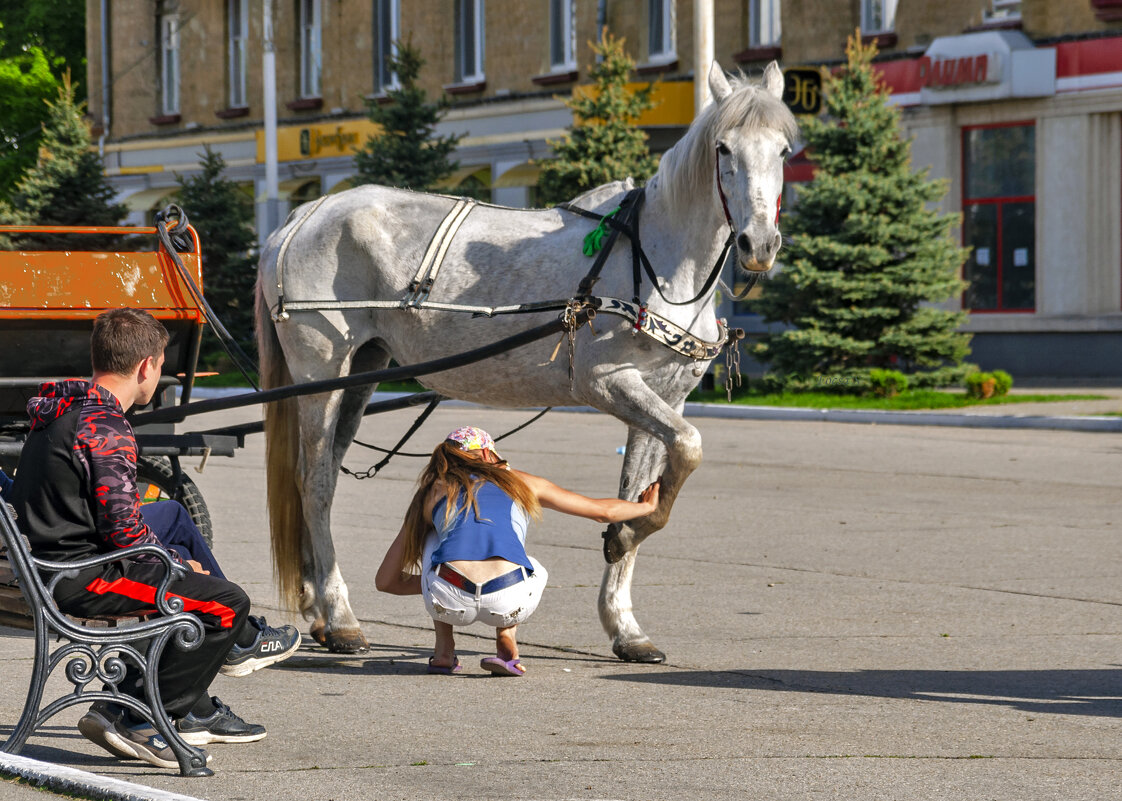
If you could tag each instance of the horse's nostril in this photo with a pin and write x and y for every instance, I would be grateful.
(743, 243)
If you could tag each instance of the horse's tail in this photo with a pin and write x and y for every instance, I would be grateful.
(282, 445)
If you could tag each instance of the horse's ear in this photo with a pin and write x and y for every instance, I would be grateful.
(718, 84)
(773, 80)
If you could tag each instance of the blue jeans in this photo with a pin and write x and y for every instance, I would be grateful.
(177, 532)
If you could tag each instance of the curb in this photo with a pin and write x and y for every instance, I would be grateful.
(860, 416)
(61, 779)
(877, 417)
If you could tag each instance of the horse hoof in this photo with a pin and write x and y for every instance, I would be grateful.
(613, 547)
(638, 652)
(319, 632)
(347, 641)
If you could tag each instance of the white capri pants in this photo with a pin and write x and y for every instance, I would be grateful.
(509, 606)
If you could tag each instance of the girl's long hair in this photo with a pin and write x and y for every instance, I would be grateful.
(461, 476)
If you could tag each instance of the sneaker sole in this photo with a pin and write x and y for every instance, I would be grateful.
(206, 737)
(95, 728)
(138, 751)
(251, 665)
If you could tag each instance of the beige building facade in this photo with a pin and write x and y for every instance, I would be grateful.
(1018, 105)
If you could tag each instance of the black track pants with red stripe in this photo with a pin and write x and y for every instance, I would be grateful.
(127, 587)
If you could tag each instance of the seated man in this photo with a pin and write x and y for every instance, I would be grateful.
(75, 496)
(177, 532)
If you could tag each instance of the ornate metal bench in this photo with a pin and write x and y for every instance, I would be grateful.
(95, 650)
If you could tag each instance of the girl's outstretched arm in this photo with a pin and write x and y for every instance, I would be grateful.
(602, 510)
(390, 577)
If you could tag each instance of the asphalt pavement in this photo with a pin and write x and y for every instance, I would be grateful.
(848, 610)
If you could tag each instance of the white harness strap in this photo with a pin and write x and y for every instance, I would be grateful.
(280, 314)
(422, 282)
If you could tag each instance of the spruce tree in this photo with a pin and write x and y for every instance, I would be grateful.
(407, 153)
(866, 256)
(223, 216)
(67, 185)
(604, 143)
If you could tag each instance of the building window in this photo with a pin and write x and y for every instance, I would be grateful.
(878, 16)
(310, 50)
(999, 217)
(763, 23)
(469, 41)
(387, 31)
(660, 30)
(237, 15)
(169, 64)
(1003, 11)
(562, 38)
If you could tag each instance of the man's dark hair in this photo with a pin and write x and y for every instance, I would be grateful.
(123, 338)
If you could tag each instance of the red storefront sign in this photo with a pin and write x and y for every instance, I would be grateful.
(935, 73)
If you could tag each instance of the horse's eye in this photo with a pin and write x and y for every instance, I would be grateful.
(785, 152)
(723, 149)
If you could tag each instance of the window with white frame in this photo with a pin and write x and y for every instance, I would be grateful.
(469, 41)
(387, 31)
(1003, 11)
(660, 30)
(310, 50)
(878, 16)
(237, 22)
(763, 23)
(562, 39)
(169, 63)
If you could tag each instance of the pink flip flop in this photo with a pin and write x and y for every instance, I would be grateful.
(500, 668)
(444, 670)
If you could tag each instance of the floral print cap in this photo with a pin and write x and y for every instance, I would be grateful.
(470, 438)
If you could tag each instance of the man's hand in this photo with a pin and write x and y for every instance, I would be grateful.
(191, 563)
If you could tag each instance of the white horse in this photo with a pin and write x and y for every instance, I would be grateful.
(331, 257)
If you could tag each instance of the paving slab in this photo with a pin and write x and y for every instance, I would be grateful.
(853, 611)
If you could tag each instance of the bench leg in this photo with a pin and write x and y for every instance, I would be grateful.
(40, 671)
(191, 759)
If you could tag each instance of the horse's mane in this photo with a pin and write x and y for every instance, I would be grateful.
(686, 170)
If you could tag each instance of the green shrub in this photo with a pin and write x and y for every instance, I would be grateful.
(988, 385)
(1003, 382)
(887, 383)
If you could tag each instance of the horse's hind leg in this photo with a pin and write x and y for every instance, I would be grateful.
(643, 462)
(350, 418)
(319, 470)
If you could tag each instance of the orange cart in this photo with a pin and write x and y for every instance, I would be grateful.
(48, 300)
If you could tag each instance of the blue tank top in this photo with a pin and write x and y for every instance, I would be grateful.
(498, 530)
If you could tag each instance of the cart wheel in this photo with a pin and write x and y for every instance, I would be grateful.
(155, 480)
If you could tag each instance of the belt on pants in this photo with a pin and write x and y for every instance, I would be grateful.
(494, 585)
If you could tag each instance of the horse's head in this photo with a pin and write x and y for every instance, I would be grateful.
(750, 131)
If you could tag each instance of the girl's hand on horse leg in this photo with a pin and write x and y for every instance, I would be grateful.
(648, 498)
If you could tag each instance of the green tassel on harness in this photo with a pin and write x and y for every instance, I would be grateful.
(594, 240)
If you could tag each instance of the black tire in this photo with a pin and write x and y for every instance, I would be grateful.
(155, 480)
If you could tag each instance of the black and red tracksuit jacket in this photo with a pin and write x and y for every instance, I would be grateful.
(75, 492)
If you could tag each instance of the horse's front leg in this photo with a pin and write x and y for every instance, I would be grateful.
(643, 463)
(330, 603)
(679, 445)
(660, 442)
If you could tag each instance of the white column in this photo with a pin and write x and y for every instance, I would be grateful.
(702, 52)
(269, 79)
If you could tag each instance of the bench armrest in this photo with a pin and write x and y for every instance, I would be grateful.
(165, 603)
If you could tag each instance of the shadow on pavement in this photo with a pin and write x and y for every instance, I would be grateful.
(1095, 693)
